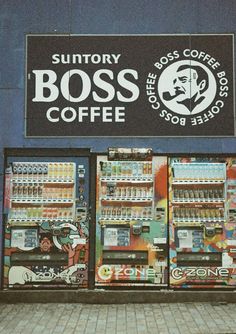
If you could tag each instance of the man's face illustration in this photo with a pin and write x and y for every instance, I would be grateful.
(185, 84)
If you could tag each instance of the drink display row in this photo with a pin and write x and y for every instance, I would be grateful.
(198, 213)
(43, 171)
(198, 194)
(21, 213)
(40, 191)
(126, 212)
(199, 171)
(125, 169)
(136, 192)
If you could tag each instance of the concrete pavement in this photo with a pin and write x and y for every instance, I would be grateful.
(174, 318)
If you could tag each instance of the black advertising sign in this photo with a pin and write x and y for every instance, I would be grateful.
(134, 85)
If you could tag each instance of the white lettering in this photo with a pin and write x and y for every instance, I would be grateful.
(86, 85)
(41, 85)
(130, 86)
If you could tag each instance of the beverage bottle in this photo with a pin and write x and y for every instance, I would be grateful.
(24, 170)
(118, 212)
(114, 212)
(30, 190)
(144, 213)
(25, 190)
(186, 194)
(134, 191)
(103, 168)
(139, 192)
(145, 168)
(40, 172)
(149, 213)
(150, 168)
(104, 190)
(129, 168)
(20, 190)
(135, 169)
(151, 191)
(108, 212)
(191, 194)
(176, 192)
(129, 212)
(14, 189)
(29, 170)
(103, 212)
(124, 169)
(145, 192)
(118, 169)
(54, 171)
(118, 191)
(123, 192)
(35, 190)
(113, 169)
(123, 212)
(59, 171)
(201, 194)
(128, 191)
(49, 170)
(108, 169)
(65, 171)
(140, 168)
(45, 171)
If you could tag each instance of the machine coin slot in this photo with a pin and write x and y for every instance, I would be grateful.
(145, 227)
(232, 215)
(160, 213)
(81, 213)
(81, 171)
(137, 228)
(219, 230)
(210, 231)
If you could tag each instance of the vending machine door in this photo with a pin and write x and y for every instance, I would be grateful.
(202, 222)
(131, 219)
(46, 222)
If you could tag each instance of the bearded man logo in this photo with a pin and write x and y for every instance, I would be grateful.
(189, 84)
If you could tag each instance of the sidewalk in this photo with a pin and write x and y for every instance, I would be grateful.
(188, 318)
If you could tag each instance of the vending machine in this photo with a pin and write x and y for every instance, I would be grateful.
(46, 218)
(202, 222)
(131, 219)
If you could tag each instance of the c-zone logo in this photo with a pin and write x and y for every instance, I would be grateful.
(187, 92)
(198, 273)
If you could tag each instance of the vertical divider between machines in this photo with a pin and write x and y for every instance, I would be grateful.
(4, 219)
(92, 223)
(168, 224)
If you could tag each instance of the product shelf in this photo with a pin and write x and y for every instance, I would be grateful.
(38, 220)
(197, 181)
(126, 218)
(41, 201)
(126, 199)
(198, 220)
(202, 201)
(49, 181)
(132, 179)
